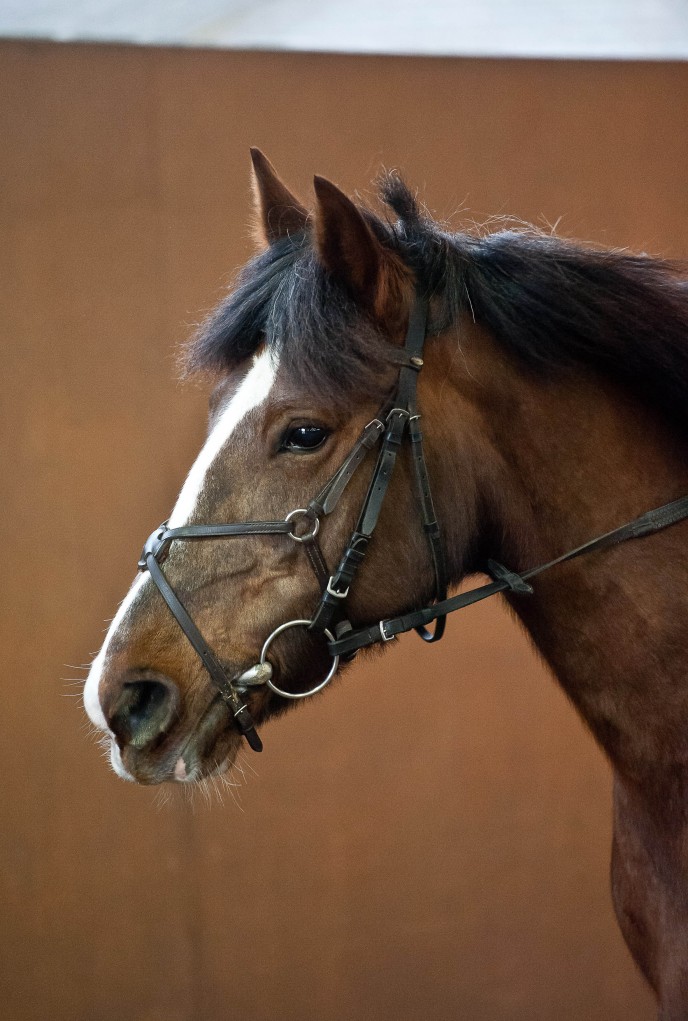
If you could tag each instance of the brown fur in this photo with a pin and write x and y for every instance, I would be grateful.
(563, 463)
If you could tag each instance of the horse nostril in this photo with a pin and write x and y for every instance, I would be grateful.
(142, 711)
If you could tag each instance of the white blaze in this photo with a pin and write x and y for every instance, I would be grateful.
(253, 390)
(91, 698)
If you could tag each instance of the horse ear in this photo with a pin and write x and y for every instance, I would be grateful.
(278, 212)
(347, 246)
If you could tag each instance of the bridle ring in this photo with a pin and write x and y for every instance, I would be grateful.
(315, 525)
(278, 631)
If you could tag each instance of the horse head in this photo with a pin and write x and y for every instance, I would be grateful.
(306, 354)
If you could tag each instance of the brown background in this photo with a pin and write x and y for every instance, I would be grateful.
(385, 865)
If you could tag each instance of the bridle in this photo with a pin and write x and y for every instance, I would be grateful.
(398, 419)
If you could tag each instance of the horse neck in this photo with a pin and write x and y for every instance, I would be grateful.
(562, 461)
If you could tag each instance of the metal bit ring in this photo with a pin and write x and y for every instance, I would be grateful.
(301, 694)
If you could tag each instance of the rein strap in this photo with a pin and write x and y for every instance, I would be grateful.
(505, 580)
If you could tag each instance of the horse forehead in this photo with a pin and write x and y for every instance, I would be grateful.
(253, 391)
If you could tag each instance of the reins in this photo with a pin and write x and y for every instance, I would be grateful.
(397, 420)
(506, 580)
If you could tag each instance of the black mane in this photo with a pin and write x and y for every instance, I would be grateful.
(555, 303)
(285, 299)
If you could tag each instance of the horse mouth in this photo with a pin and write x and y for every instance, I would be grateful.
(185, 755)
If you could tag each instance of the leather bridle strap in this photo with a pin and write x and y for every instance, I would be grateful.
(155, 552)
(332, 598)
(430, 526)
(230, 695)
(161, 538)
(328, 497)
(402, 415)
(408, 385)
(506, 580)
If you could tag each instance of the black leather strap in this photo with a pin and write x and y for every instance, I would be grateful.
(155, 552)
(402, 414)
(430, 525)
(328, 498)
(236, 706)
(159, 541)
(333, 598)
(646, 524)
(652, 521)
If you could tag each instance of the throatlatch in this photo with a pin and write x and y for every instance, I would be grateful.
(398, 419)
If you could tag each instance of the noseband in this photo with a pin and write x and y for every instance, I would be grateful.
(398, 420)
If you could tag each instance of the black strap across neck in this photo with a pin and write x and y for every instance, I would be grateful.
(508, 581)
(397, 420)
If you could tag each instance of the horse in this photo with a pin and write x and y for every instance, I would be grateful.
(416, 406)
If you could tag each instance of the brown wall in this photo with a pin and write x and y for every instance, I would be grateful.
(451, 865)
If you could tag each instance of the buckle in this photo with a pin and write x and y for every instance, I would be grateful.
(333, 591)
(372, 432)
(397, 411)
(383, 634)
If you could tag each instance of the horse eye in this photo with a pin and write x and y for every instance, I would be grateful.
(304, 438)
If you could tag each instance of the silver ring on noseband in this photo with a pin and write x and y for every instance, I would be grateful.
(278, 631)
(315, 525)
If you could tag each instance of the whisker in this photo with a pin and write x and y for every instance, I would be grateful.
(247, 762)
(232, 788)
(162, 798)
(190, 795)
(203, 787)
(216, 786)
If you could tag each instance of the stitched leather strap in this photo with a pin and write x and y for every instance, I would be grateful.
(332, 599)
(328, 498)
(155, 552)
(402, 414)
(236, 706)
(646, 524)
(430, 525)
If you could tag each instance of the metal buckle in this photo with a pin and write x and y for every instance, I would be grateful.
(298, 694)
(370, 440)
(312, 517)
(397, 411)
(385, 637)
(334, 592)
